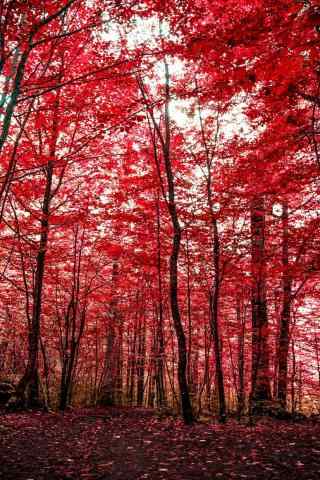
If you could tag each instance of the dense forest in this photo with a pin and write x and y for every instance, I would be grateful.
(159, 206)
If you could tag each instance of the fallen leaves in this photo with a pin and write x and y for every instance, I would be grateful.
(132, 445)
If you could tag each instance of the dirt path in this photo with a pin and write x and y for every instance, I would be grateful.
(133, 444)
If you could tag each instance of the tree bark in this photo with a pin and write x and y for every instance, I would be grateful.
(160, 347)
(214, 294)
(260, 377)
(283, 347)
(242, 325)
(141, 360)
(175, 310)
(28, 387)
(108, 395)
(214, 322)
(165, 141)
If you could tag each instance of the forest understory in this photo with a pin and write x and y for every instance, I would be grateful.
(132, 444)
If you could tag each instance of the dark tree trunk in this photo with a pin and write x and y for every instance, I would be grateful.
(214, 294)
(71, 360)
(46, 374)
(293, 378)
(283, 347)
(119, 363)
(214, 322)
(74, 322)
(141, 361)
(28, 387)
(14, 96)
(189, 316)
(160, 347)
(241, 391)
(66, 377)
(132, 359)
(152, 367)
(182, 354)
(206, 373)
(182, 351)
(108, 389)
(108, 395)
(176, 242)
(260, 379)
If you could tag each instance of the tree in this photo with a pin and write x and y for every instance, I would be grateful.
(164, 139)
(261, 390)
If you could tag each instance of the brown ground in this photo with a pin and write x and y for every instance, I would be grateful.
(97, 444)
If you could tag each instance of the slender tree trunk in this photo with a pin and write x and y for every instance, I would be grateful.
(160, 348)
(277, 317)
(133, 355)
(108, 390)
(189, 359)
(300, 387)
(119, 363)
(71, 360)
(46, 374)
(28, 387)
(13, 97)
(241, 388)
(182, 356)
(283, 347)
(293, 378)
(74, 324)
(141, 360)
(214, 294)
(317, 352)
(182, 353)
(127, 380)
(205, 387)
(152, 365)
(260, 379)
(165, 140)
(214, 323)
(195, 367)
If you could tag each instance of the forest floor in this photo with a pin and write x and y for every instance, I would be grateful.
(132, 444)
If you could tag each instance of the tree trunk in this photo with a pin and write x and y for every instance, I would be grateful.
(152, 366)
(132, 360)
(214, 294)
(71, 359)
(119, 363)
(141, 360)
(176, 242)
(189, 316)
(108, 394)
(241, 389)
(283, 347)
(293, 378)
(214, 322)
(28, 387)
(260, 379)
(160, 348)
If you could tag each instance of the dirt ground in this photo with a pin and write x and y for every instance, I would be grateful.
(97, 444)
